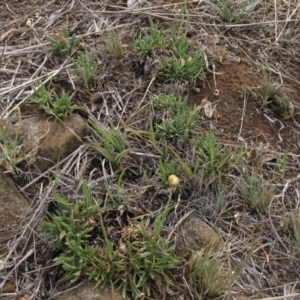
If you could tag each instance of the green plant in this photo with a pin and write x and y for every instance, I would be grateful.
(114, 45)
(182, 21)
(146, 43)
(285, 106)
(62, 105)
(268, 91)
(111, 144)
(42, 97)
(221, 195)
(142, 257)
(210, 155)
(180, 106)
(178, 33)
(283, 163)
(164, 101)
(70, 220)
(11, 152)
(167, 169)
(282, 102)
(114, 196)
(149, 257)
(52, 103)
(208, 148)
(208, 274)
(63, 44)
(68, 229)
(184, 68)
(174, 127)
(183, 119)
(257, 195)
(179, 43)
(231, 11)
(271, 95)
(88, 66)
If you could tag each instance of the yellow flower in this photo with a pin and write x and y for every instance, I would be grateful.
(173, 181)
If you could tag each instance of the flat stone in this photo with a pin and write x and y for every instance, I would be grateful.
(87, 291)
(194, 235)
(51, 139)
(13, 207)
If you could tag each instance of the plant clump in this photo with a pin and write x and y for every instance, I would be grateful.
(182, 120)
(141, 259)
(52, 103)
(62, 44)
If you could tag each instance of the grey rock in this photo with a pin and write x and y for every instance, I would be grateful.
(87, 291)
(51, 139)
(13, 207)
(194, 235)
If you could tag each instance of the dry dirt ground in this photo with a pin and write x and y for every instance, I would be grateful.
(268, 36)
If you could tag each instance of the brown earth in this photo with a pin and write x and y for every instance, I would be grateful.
(240, 119)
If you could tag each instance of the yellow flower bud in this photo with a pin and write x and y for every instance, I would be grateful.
(173, 181)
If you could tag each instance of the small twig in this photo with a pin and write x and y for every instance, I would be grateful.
(8, 34)
(151, 8)
(152, 80)
(214, 75)
(275, 10)
(9, 295)
(285, 297)
(243, 115)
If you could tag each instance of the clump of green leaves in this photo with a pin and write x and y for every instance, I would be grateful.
(272, 97)
(258, 196)
(112, 144)
(282, 102)
(63, 44)
(212, 157)
(268, 91)
(183, 117)
(71, 221)
(179, 42)
(42, 96)
(52, 103)
(183, 68)
(62, 105)
(147, 42)
(207, 273)
(185, 64)
(209, 153)
(232, 11)
(284, 106)
(87, 65)
(11, 152)
(164, 101)
(142, 257)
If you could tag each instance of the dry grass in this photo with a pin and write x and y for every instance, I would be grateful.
(260, 243)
